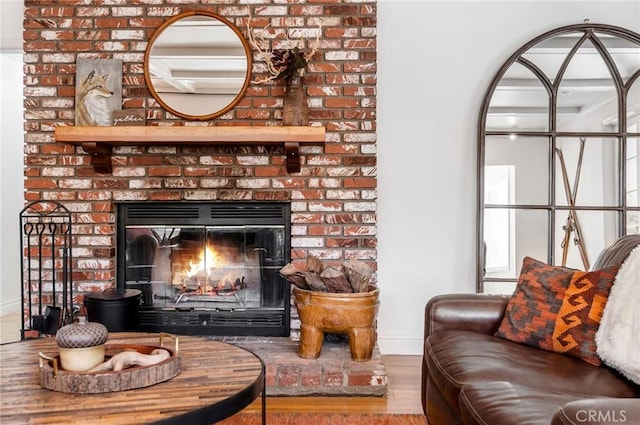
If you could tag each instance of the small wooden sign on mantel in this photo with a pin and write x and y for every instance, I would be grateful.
(129, 117)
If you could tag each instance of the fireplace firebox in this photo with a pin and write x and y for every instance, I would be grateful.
(206, 268)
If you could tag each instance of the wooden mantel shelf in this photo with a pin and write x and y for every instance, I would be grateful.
(98, 141)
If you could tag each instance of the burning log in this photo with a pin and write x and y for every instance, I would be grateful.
(353, 276)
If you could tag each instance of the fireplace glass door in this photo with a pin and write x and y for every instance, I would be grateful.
(207, 269)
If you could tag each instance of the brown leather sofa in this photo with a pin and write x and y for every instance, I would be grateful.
(470, 376)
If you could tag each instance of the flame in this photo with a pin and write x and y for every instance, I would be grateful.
(209, 272)
(208, 260)
(227, 283)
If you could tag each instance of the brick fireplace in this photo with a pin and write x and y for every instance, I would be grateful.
(332, 198)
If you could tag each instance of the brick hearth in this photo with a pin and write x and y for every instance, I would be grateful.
(332, 374)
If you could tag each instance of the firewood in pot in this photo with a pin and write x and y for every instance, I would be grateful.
(315, 282)
(294, 275)
(335, 280)
(358, 274)
(314, 265)
(126, 359)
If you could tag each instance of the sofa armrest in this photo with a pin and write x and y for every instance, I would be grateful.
(474, 312)
(599, 411)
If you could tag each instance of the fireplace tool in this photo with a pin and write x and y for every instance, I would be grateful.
(572, 224)
(46, 272)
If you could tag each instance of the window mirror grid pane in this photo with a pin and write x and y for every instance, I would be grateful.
(632, 161)
(580, 236)
(509, 236)
(587, 172)
(587, 93)
(624, 53)
(633, 222)
(527, 162)
(549, 54)
(520, 102)
(633, 108)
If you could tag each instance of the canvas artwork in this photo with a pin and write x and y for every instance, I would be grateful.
(98, 91)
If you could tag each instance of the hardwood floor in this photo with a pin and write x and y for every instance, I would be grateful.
(403, 378)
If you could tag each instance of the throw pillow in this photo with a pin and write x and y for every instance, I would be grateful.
(557, 308)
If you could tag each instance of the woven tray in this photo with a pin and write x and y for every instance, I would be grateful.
(53, 377)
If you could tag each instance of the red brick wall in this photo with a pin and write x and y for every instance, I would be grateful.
(333, 197)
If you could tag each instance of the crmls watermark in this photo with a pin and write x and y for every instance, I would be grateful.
(614, 416)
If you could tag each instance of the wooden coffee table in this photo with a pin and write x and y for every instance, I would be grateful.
(216, 380)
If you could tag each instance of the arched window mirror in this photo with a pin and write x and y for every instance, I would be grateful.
(559, 152)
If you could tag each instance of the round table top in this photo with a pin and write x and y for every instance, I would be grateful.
(216, 380)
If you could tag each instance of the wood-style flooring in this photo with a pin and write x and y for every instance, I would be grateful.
(403, 395)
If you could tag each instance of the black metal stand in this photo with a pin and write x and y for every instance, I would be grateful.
(46, 273)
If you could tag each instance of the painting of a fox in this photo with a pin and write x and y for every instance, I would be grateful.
(92, 108)
(95, 99)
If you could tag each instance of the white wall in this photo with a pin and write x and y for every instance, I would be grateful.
(435, 61)
(11, 148)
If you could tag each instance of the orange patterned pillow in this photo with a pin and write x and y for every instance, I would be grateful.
(557, 308)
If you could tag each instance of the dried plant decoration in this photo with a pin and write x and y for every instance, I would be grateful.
(285, 62)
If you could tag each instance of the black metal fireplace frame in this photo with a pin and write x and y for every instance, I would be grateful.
(254, 322)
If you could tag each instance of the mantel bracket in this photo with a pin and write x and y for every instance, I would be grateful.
(100, 156)
(292, 150)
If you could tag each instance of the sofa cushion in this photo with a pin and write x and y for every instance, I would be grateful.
(557, 309)
(456, 358)
(499, 403)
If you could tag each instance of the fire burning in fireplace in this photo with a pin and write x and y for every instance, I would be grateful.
(213, 271)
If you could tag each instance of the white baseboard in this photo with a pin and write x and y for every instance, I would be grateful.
(399, 345)
(9, 307)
